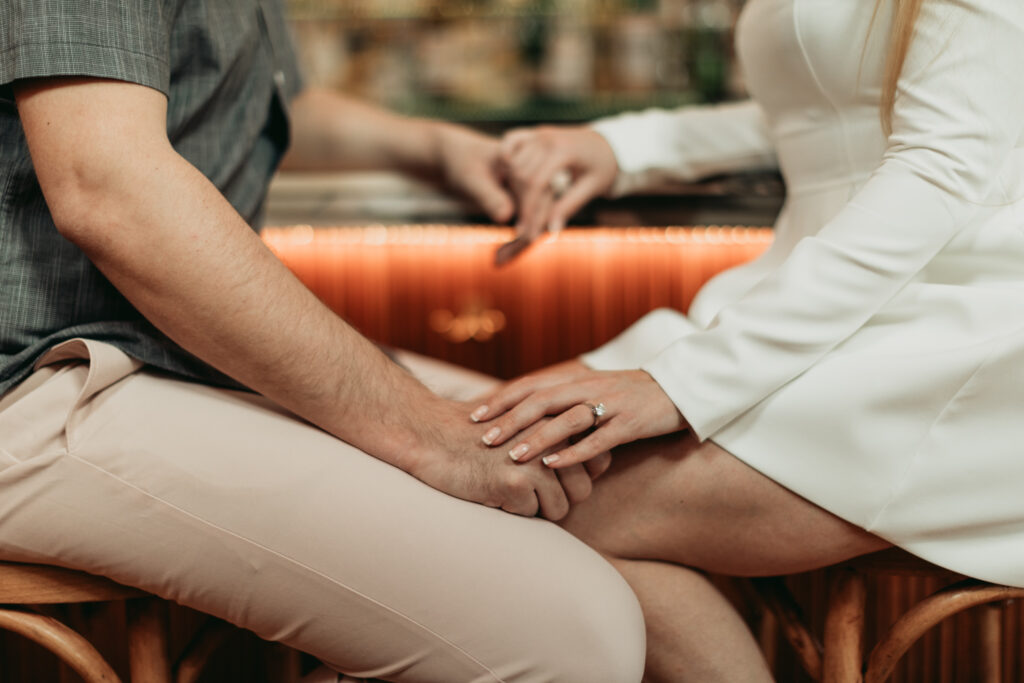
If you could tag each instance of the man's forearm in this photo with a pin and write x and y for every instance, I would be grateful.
(170, 242)
(333, 132)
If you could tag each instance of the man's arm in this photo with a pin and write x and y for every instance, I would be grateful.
(333, 132)
(168, 240)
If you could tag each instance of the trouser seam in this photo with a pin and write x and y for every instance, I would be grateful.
(290, 560)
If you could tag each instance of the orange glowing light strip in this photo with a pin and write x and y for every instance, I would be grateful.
(434, 235)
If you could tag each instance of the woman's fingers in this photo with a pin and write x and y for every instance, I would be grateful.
(538, 198)
(576, 420)
(601, 440)
(511, 395)
(536, 406)
(504, 396)
(513, 139)
(580, 192)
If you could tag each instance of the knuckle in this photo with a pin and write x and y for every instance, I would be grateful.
(581, 491)
(628, 419)
(581, 420)
(517, 416)
(558, 508)
(519, 484)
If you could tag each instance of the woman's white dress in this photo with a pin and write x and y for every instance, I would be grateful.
(873, 359)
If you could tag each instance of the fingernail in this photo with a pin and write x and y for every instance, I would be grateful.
(551, 459)
(555, 227)
(478, 414)
(492, 434)
(519, 451)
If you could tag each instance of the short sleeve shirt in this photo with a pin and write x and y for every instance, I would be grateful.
(228, 70)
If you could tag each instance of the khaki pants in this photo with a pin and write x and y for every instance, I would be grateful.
(225, 503)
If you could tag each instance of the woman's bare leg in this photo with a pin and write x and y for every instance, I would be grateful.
(671, 506)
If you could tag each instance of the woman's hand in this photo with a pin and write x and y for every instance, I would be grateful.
(470, 164)
(631, 403)
(449, 455)
(559, 373)
(554, 172)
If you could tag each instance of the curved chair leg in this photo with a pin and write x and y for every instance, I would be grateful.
(991, 627)
(147, 641)
(62, 641)
(198, 652)
(788, 616)
(844, 627)
(927, 614)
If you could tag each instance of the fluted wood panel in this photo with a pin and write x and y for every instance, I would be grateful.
(400, 285)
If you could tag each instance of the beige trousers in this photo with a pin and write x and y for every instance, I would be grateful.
(225, 503)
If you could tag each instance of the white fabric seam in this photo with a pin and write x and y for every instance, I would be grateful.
(916, 457)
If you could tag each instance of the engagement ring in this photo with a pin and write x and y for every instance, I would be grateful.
(597, 411)
(560, 183)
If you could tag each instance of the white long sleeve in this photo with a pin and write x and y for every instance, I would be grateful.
(958, 120)
(658, 147)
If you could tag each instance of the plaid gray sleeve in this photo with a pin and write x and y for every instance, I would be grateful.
(122, 39)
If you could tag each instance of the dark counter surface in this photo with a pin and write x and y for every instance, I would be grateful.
(360, 198)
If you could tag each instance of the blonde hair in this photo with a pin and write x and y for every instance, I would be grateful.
(904, 17)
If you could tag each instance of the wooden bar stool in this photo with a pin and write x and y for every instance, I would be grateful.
(842, 657)
(25, 586)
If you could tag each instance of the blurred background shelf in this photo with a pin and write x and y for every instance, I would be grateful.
(499, 64)
(494, 62)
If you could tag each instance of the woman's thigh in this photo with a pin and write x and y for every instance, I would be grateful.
(445, 379)
(677, 500)
(227, 504)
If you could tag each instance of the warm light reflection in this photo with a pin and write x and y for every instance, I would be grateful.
(379, 235)
(435, 289)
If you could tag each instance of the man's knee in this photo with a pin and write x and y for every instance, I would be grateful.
(593, 633)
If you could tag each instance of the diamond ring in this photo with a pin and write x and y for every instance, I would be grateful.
(560, 183)
(597, 410)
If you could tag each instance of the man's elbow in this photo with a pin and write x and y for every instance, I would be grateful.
(82, 210)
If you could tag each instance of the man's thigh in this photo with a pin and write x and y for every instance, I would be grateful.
(225, 503)
(681, 501)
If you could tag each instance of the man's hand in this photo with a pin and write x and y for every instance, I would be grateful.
(471, 165)
(333, 132)
(453, 459)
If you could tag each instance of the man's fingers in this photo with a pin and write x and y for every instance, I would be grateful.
(491, 196)
(576, 482)
(520, 496)
(598, 465)
(554, 504)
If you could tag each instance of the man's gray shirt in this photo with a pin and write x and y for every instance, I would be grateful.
(228, 70)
